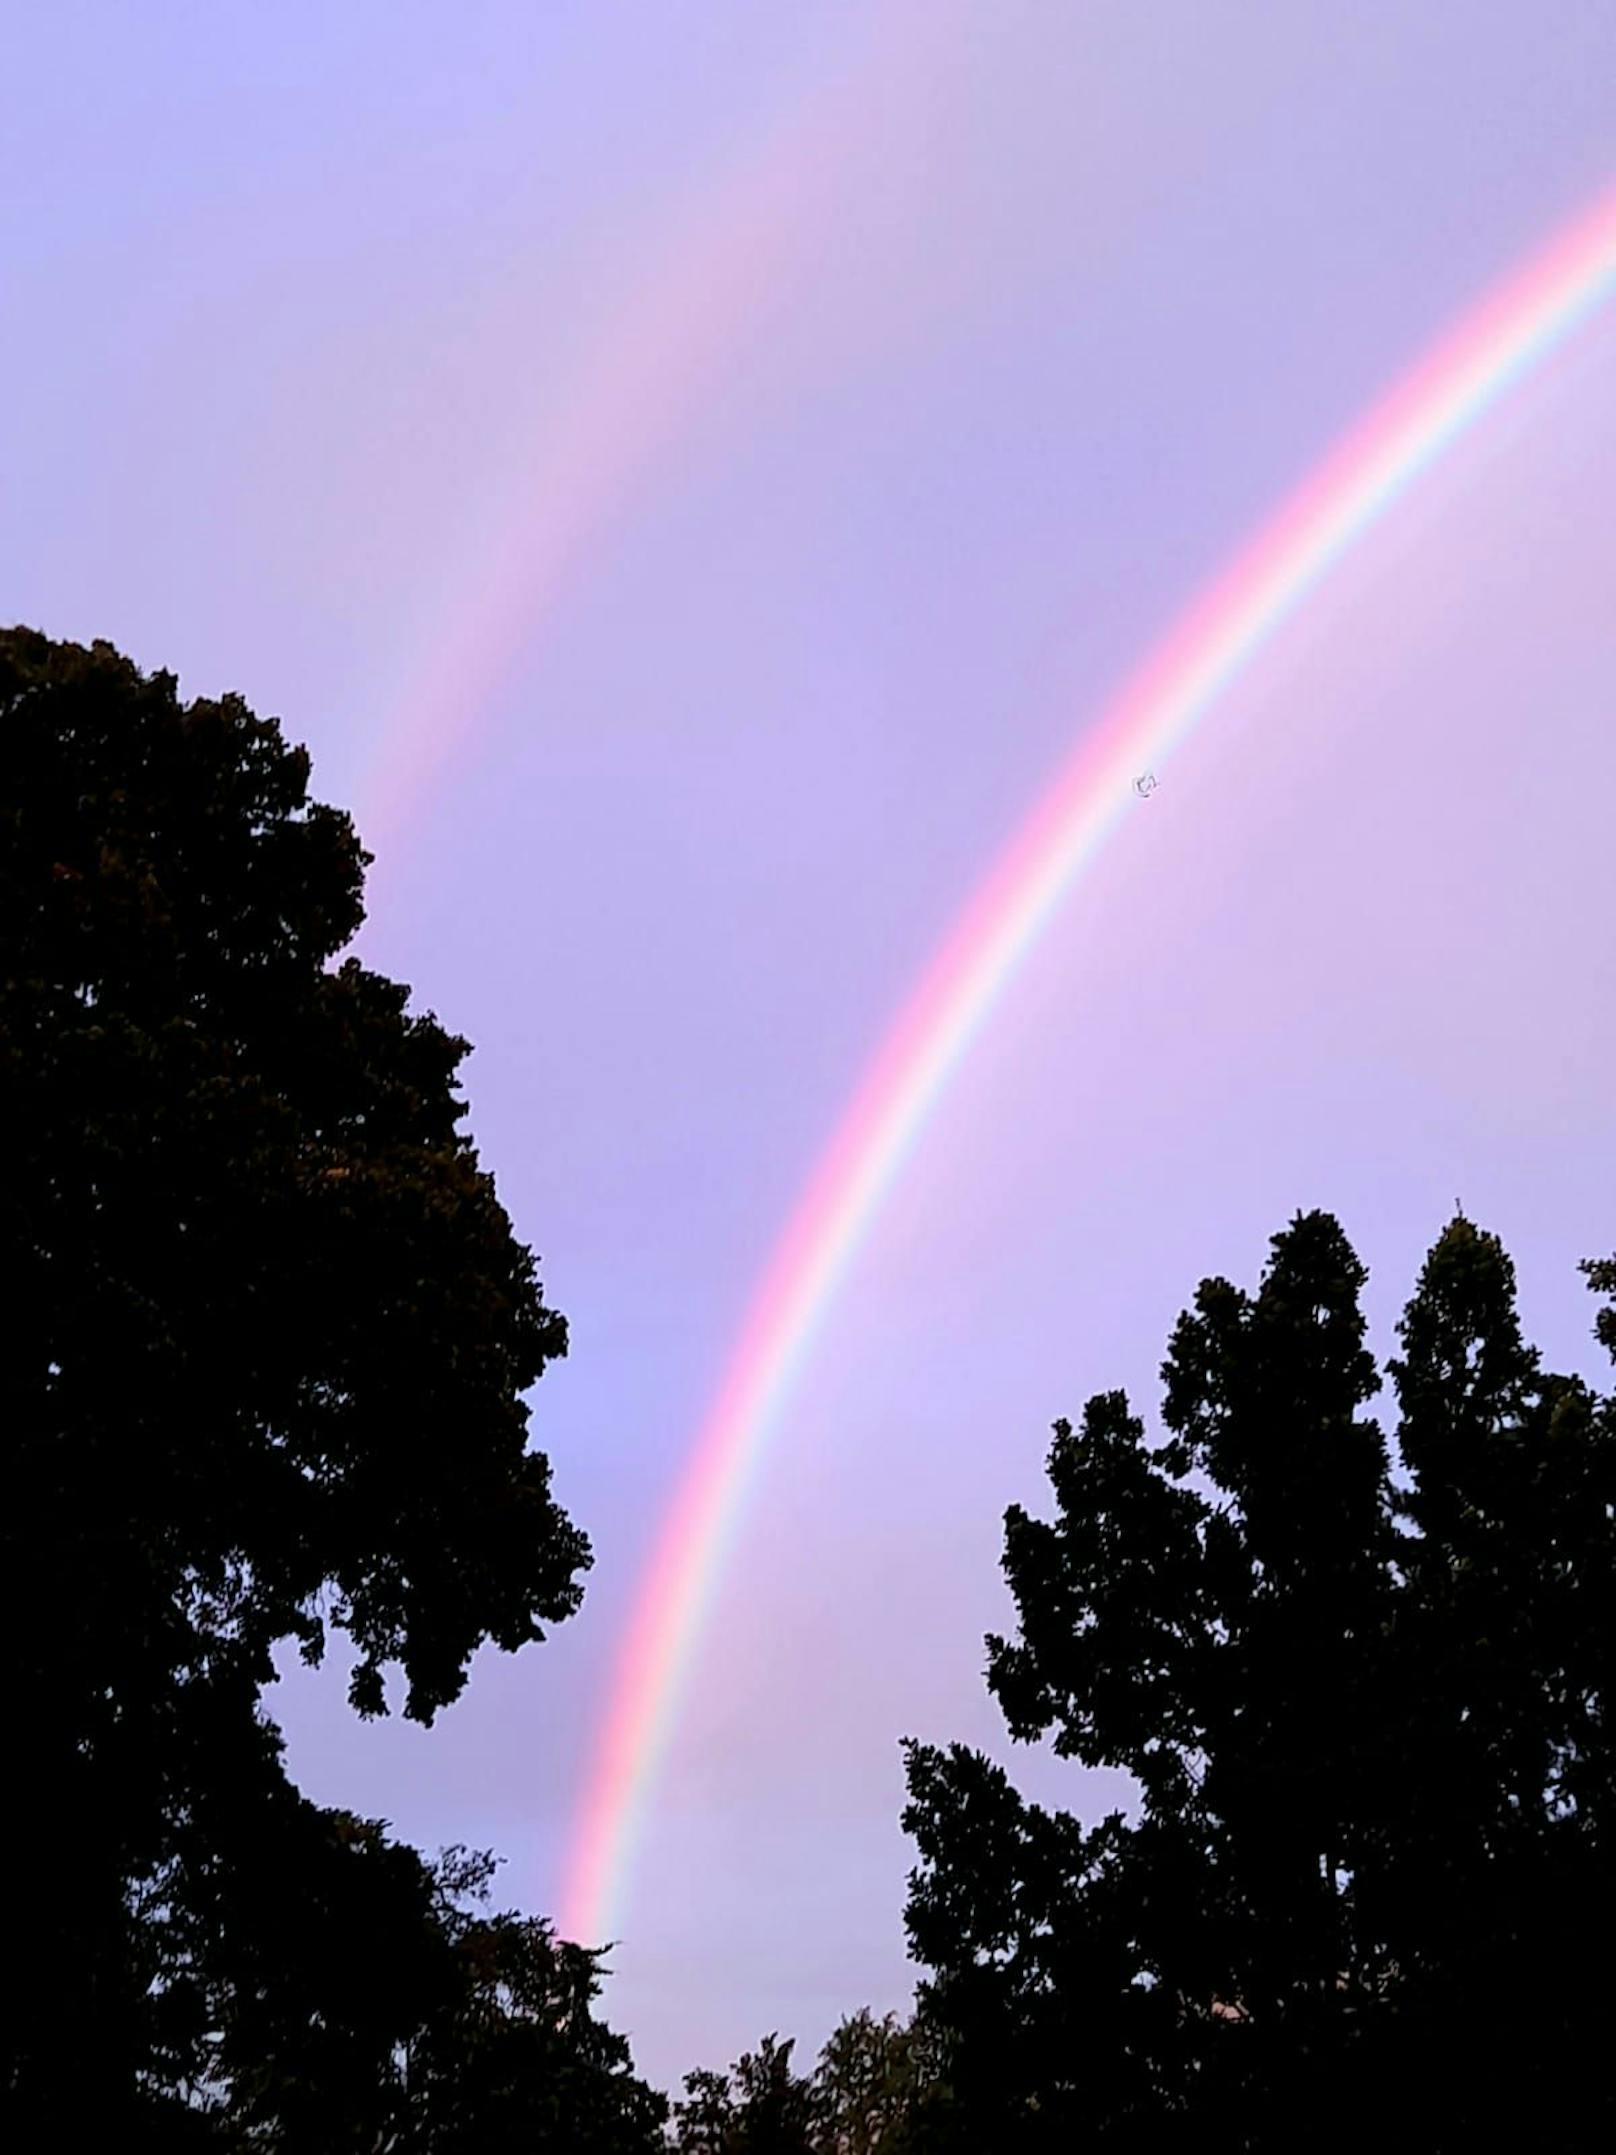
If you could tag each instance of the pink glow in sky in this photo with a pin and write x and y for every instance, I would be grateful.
(750, 437)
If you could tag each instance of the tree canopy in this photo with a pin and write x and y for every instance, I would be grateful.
(1364, 1688)
(268, 1336)
(866, 2096)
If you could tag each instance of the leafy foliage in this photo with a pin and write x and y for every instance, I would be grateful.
(760, 2107)
(1366, 1700)
(874, 2079)
(378, 2008)
(318, 1985)
(864, 2097)
(268, 1335)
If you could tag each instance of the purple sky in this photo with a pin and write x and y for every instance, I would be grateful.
(790, 421)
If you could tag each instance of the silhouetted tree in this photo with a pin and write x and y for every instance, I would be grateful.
(359, 1999)
(873, 2081)
(1367, 1704)
(759, 2107)
(267, 1336)
(866, 2095)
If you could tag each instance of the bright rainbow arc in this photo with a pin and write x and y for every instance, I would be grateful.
(1438, 401)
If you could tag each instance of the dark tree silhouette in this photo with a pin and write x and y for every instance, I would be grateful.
(759, 2107)
(363, 2001)
(873, 2081)
(267, 1337)
(867, 2095)
(1367, 1703)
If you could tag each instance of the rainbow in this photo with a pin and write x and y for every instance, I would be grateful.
(746, 233)
(1444, 395)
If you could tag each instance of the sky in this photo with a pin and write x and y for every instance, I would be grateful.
(691, 474)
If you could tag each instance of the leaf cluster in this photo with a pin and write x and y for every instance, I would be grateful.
(267, 1339)
(873, 2079)
(1364, 1690)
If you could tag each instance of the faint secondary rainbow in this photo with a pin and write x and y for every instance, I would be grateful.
(1444, 395)
(651, 376)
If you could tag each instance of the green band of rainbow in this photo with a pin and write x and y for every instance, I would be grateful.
(1493, 348)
